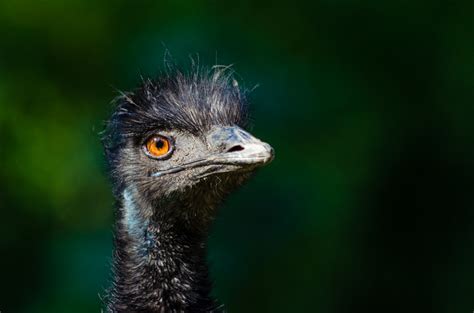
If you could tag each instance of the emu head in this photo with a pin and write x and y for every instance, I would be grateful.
(177, 145)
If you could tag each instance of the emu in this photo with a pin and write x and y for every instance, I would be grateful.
(175, 147)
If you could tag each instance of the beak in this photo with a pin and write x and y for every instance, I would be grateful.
(235, 146)
(230, 145)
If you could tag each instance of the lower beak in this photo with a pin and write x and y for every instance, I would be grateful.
(237, 147)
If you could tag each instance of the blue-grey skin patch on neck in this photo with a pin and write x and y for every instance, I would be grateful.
(134, 222)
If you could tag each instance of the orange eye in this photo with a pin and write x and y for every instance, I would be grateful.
(157, 146)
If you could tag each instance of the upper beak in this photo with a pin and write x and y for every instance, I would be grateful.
(237, 147)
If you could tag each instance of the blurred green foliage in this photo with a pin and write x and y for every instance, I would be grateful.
(368, 205)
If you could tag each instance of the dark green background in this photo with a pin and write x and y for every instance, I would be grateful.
(368, 206)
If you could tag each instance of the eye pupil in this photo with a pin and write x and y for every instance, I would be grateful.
(160, 143)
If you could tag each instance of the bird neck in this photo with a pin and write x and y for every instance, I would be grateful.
(159, 263)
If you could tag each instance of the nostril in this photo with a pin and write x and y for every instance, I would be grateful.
(236, 148)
